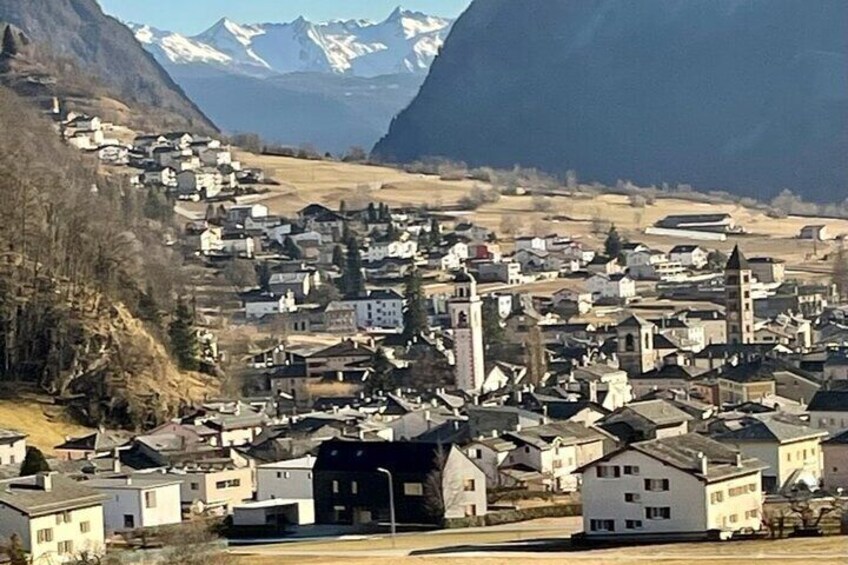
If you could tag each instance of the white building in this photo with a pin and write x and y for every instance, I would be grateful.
(693, 256)
(55, 517)
(378, 309)
(616, 286)
(466, 314)
(289, 481)
(675, 487)
(379, 250)
(828, 410)
(259, 304)
(139, 501)
(12, 447)
(203, 182)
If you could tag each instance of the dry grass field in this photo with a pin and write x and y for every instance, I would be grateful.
(46, 426)
(823, 551)
(305, 181)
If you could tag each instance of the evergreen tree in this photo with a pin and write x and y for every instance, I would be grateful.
(493, 332)
(210, 215)
(392, 232)
(264, 276)
(352, 282)
(613, 244)
(343, 208)
(338, 257)
(415, 314)
(34, 462)
(148, 309)
(435, 232)
(840, 272)
(381, 378)
(292, 249)
(183, 336)
(372, 213)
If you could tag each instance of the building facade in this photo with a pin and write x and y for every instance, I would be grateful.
(466, 314)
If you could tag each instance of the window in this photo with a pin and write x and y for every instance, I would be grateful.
(716, 497)
(66, 547)
(656, 485)
(608, 471)
(734, 518)
(63, 518)
(44, 535)
(229, 483)
(471, 510)
(150, 499)
(752, 487)
(631, 469)
(633, 524)
(657, 512)
(602, 525)
(475, 453)
(85, 527)
(629, 343)
(632, 497)
(752, 513)
(413, 489)
(335, 487)
(129, 521)
(738, 491)
(469, 485)
(354, 487)
(195, 486)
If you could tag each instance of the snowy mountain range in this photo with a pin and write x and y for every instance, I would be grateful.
(404, 43)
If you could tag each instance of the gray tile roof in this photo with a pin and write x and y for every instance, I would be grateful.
(829, 401)
(24, 494)
(770, 427)
(685, 451)
(11, 435)
(659, 412)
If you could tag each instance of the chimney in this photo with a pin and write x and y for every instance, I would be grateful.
(116, 461)
(738, 459)
(517, 427)
(45, 481)
(704, 463)
(129, 481)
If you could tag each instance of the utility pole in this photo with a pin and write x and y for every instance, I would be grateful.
(391, 503)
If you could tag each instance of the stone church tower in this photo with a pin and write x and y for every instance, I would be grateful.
(635, 346)
(739, 305)
(466, 314)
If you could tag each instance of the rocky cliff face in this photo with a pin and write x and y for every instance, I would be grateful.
(102, 47)
(744, 95)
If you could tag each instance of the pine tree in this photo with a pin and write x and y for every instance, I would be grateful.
(381, 378)
(264, 276)
(372, 213)
(840, 272)
(338, 257)
(183, 336)
(493, 332)
(352, 282)
(292, 249)
(613, 244)
(415, 314)
(34, 462)
(342, 208)
(148, 309)
(435, 232)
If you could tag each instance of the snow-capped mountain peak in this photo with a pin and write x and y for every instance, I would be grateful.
(405, 42)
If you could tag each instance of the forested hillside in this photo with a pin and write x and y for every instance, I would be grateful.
(85, 281)
(100, 58)
(743, 95)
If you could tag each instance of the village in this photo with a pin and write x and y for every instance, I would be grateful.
(421, 371)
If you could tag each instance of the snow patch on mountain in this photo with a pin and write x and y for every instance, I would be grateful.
(406, 42)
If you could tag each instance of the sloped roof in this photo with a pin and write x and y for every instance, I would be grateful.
(770, 427)
(24, 494)
(737, 261)
(402, 457)
(635, 321)
(829, 401)
(685, 451)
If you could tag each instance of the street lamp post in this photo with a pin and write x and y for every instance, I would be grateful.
(391, 502)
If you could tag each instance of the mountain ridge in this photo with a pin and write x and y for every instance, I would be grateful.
(405, 42)
(742, 95)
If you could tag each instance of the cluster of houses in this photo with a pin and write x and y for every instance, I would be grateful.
(669, 427)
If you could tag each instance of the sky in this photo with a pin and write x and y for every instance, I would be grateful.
(194, 16)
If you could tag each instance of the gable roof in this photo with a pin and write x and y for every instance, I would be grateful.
(24, 494)
(401, 457)
(684, 452)
(829, 401)
(770, 427)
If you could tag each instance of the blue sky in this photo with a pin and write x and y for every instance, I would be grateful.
(194, 16)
